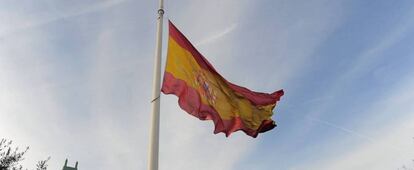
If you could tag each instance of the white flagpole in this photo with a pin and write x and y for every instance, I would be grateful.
(155, 118)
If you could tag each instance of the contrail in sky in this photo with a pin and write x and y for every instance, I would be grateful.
(352, 132)
(342, 129)
(93, 8)
(217, 35)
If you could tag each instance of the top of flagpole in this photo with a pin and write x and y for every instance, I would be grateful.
(161, 8)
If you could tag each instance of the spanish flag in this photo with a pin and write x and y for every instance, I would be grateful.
(205, 94)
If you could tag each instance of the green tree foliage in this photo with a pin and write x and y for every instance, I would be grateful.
(10, 157)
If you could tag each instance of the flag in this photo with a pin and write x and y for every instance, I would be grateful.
(205, 94)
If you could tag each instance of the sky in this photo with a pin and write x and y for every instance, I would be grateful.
(76, 81)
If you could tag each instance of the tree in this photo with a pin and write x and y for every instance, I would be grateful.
(10, 157)
(42, 165)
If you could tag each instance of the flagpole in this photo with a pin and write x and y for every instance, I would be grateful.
(155, 117)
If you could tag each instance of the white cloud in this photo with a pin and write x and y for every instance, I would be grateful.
(362, 64)
(28, 104)
(390, 146)
(43, 106)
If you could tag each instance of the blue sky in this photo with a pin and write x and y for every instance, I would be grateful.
(75, 82)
